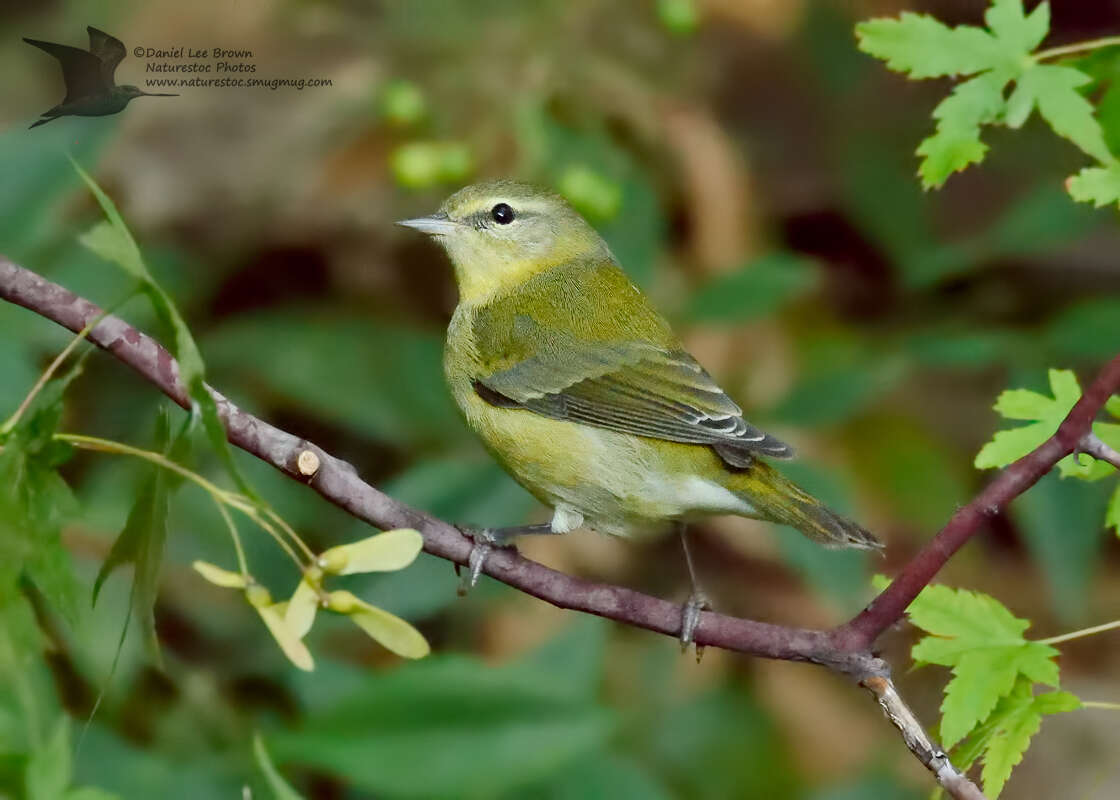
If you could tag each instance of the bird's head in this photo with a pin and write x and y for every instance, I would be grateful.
(499, 234)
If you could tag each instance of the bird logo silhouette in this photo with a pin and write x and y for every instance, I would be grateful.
(90, 88)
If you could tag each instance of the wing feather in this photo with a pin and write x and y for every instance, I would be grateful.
(638, 389)
(81, 70)
(579, 342)
(109, 50)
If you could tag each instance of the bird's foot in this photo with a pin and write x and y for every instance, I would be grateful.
(690, 618)
(485, 540)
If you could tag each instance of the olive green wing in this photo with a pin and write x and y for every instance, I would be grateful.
(630, 387)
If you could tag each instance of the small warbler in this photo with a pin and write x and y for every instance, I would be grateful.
(580, 389)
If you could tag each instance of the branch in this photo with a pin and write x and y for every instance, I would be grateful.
(1075, 433)
(933, 757)
(846, 649)
(338, 482)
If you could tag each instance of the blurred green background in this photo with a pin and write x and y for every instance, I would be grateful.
(754, 173)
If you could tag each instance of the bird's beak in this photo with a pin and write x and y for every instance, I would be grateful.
(435, 225)
(157, 94)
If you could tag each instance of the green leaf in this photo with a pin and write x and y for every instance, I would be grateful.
(1056, 702)
(1064, 384)
(112, 240)
(1021, 404)
(116, 244)
(1010, 445)
(756, 289)
(1097, 185)
(981, 677)
(35, 500)
(141, 542)
(1012, 27)
(49, 768)
(956, 144)
(1006, 734)
(924, 47)
(1108, 112)
(281, 789)
(961, 620)
(983, 643)
(1109, 433)
(107, 241)
(1053, 89)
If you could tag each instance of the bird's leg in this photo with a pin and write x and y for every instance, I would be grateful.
(564, 519)
(486, 539)
(697, 600)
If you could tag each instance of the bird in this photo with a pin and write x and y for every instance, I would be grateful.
(90, 89)
(579, 387)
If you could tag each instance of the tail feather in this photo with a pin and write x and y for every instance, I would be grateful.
(775, 498)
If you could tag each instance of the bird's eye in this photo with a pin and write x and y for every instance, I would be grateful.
(502, 214)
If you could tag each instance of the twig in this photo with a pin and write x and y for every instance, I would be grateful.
(933, 757)
(1092, 445)
(1069, 637)
(846, 649)
(1076, 47)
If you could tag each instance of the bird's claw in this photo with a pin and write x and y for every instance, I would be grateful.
(690, 619)
(484, 543)
(476, 560)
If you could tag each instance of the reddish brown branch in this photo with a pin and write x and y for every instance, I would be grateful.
(846, 649)
(338, 482)
(1074, 434)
